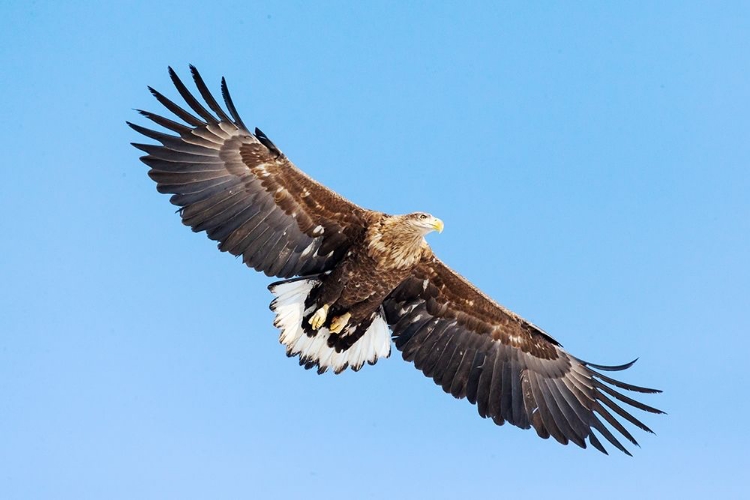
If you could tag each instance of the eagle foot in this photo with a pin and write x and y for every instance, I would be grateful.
(319, 318)
(339, 322)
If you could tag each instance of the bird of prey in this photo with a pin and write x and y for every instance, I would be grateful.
(354, 279)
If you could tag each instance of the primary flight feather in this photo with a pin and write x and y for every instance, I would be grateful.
(354, 278)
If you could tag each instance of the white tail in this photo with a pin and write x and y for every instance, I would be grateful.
(289, 306)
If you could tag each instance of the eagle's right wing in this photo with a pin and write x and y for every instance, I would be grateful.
(239, 188)
(475, 348)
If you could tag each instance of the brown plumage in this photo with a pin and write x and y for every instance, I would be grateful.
(360, 273)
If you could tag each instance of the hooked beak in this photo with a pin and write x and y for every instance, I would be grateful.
(438, 225)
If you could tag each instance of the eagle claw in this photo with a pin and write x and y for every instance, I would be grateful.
(319, 318)
(339, 322)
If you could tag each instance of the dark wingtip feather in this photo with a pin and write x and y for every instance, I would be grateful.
(165, 122)
(623, 385)
(153, 134)
(606, 433)
(263, 138)
(610, 368)
(146, 148)
(625, 399)
(207, 96)
(230, 104)
(174, 108)
(190, 99)
(597, 444)
(611, 420)
(194, 72)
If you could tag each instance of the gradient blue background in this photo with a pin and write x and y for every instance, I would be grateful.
(590, 160)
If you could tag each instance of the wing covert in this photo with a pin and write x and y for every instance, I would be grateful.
(242, 191)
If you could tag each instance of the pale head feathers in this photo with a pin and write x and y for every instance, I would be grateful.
(420, 223)
(398, 240)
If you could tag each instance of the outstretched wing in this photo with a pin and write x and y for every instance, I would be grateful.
(239, 188)
(512, 370)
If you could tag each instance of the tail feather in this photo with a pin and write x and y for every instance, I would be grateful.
(291, 311)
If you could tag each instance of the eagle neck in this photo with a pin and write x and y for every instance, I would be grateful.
(394, 245)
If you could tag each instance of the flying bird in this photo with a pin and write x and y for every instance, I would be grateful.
(355, 279)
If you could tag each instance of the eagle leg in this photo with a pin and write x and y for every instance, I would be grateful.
(319, 318)
(339, 322)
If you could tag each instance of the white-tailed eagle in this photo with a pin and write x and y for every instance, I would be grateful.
(355, 278)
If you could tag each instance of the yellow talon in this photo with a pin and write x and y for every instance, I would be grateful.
(319, 318)
(339, 322)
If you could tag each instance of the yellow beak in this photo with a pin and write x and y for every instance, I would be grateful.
(438, 225)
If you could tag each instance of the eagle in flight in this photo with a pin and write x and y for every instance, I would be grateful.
(353, 279)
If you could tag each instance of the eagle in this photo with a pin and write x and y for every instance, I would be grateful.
(354, 280)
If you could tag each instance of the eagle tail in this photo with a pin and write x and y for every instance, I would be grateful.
(314, 350)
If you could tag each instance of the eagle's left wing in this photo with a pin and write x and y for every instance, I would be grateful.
(241, 190)
(512, 370)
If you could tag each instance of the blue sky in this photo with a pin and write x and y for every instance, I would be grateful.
(590, 160)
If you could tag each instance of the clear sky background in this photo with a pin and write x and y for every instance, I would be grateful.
(591, 161)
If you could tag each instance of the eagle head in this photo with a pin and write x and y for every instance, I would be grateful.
(424, 222)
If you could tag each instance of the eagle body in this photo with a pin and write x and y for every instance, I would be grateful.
(354, 291)
(371, 270)
(353, 280)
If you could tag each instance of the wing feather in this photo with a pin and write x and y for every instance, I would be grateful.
(433, 356)
(433, 333)
(176, 110)
(206, 94)
(490, 388)
(457, 386)
(242, 191)
(513, 371)
(475, 374)
(575, 421)
(188, 97)
(164, 122)
(551, 419)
